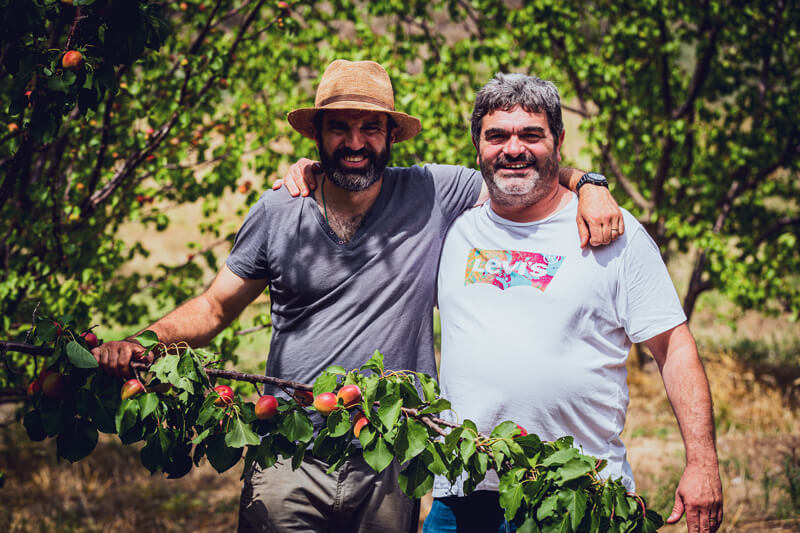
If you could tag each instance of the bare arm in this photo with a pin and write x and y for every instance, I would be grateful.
(699, 493)
(196, 322)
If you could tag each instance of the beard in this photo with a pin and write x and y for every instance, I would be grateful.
(520, 192)
(351, 179)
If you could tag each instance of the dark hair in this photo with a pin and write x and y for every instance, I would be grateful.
(507, 91)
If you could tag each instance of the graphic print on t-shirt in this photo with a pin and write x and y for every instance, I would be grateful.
(511, 268)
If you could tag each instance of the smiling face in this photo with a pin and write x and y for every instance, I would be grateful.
(354, 147)
(518, 156)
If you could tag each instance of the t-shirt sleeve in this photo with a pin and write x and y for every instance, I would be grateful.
(248, 258)
(457, 188)
(649, 304)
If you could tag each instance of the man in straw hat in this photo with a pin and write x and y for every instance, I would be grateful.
(350, 269)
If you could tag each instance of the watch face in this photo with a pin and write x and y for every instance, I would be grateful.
(594, 176)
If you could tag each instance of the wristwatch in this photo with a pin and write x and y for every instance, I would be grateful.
(592, 177)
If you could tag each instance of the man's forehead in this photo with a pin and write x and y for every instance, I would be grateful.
(353, 115)
(516, 118)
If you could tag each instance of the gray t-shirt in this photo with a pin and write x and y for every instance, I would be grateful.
(334, 303)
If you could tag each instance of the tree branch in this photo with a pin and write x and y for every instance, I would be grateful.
(701, 72)
(627, 186)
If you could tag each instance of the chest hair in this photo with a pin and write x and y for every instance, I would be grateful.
(344, 226)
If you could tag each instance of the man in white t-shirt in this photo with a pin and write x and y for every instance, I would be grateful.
(537, 330)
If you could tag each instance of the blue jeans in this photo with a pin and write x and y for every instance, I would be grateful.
(479, 512)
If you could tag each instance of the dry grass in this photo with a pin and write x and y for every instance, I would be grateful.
(111, 491)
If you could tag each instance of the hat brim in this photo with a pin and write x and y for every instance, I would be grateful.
(302, 119)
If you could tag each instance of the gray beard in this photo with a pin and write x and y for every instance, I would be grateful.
(522, 194)
(353, 182)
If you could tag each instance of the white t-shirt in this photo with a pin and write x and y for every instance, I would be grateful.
(537, 330)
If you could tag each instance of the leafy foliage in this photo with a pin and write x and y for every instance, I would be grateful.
(688, 107)
(544, 486)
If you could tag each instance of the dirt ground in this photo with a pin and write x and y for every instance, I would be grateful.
(758, 442)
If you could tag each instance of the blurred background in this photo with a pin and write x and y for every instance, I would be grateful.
(124, 176)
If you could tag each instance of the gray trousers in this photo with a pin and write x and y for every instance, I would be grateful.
(352, 499)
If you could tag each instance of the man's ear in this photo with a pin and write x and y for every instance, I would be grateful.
(560, 143)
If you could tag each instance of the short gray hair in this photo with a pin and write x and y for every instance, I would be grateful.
(507, 91)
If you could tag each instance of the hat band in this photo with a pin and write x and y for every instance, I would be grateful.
(355, 98)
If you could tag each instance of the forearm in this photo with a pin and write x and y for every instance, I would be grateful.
(195, 322)
(690, 397)
(569, 177)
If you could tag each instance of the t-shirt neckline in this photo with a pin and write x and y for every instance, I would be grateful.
(504, 221)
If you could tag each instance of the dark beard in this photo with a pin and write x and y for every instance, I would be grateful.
(358, 179)
(530, 193)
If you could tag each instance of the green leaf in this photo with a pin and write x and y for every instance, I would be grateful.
(430, 389)
(147, 404)
(655, 518)
(152, 455)
(511, 492)
(389, 411)
(561, 457)
(436, 406)
(547, 508)
(203, 435)
(415, 480)
(80, 356)
(505, 429)
(367, 435)
(148, 339)
(573, 469)
(375, 363)
(297, 458)
(325, 383)
(240, 434)
(411, 440)
(46, 330)
(221, 456)
(102, 416)
(338, 423)
(378, 455)
(529, 525)
(467, 447)
(575, 504)
(296, 426)
(77, 440)
(127, 415)
(452, 438)
(433, 459)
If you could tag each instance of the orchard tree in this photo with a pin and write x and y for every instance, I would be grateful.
(689, 108)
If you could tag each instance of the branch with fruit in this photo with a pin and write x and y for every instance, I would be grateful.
(176, 408)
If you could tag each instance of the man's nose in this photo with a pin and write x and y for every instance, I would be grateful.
(354, 140)
(513, 147)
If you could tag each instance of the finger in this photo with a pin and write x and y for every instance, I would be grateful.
(621, 224)
(677, 511)
(705, 522)
(309, 180)
(278, 184)
(101, 354)
(583, 232)
(290, 182)
(595, 233)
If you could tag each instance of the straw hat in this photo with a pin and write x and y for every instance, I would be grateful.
(356, 85)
